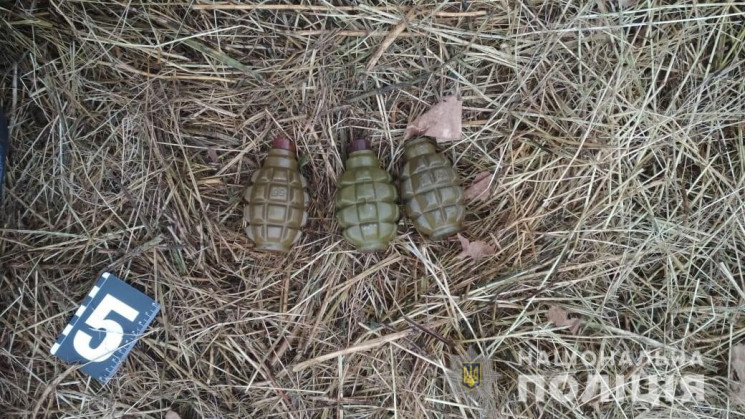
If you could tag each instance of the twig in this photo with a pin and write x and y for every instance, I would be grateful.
(209, 51)
(349, 33)
(51, 387)
(373, 343)
(395, 32)
(318, 8)
(430, 332)
(129, 68)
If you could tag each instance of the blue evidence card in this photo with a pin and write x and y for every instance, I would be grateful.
(105, 327)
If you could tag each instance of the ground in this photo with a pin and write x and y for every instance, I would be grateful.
(613, 131)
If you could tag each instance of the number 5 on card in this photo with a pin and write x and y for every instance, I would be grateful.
(105, 327)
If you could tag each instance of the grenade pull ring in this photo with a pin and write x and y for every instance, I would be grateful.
(283, 143)
(359, 145)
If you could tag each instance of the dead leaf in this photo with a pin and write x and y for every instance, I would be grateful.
(738, 361)
(559, 317)
(212, 155)
(442, 121)
(738, 367)
(627, 4)
(479, 187)
(475, 250)
(738, 395)
(172, 415)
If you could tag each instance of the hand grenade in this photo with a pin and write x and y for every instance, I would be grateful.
(366, 206)
(277, 202)
(431, 191)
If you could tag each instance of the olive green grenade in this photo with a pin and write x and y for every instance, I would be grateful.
(366, 206)
(277, 202)
(431, 190)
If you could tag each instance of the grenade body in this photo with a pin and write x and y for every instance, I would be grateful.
(431, 190)
(366, 206)
(366, 198)
(277, 202)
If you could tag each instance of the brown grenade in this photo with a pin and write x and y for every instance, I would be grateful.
(431, 191)
(366, 201)
(277, 202)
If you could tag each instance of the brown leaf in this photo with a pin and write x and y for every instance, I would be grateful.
(627, 4)
(559, 317)
(738, 367)
(479, 187)
(172, 415)
(475, 250)
(738, 394)
(442, 121)
(212, 155)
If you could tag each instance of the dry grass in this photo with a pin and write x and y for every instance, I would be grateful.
(616, 133)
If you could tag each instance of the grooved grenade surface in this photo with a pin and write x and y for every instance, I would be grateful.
(277, 202)
(431, 191)
(366, 206)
